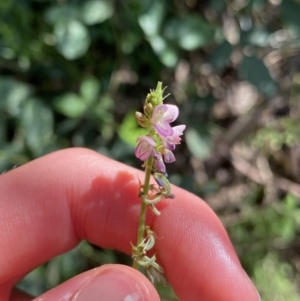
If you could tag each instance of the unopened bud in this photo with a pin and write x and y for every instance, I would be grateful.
(141, 119)
(148, 109)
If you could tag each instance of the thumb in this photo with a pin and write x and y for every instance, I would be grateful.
(109, 282)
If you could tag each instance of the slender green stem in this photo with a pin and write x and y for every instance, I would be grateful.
(142, 222)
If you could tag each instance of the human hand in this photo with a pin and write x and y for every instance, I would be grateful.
(50, 204)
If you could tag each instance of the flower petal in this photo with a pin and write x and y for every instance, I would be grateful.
(159, 165)
(162, 116)
(178, 130)
(169, 156)
(171, 114)
(144, 148)
(163, 129)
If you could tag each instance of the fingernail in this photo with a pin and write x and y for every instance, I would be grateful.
(110, 285)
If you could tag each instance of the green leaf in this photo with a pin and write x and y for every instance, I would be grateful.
(220, 57)
(70, 105)
(37, 122)
(61, 13)
(152, 17)
(290, 10)
(129, 130)
(259, 37)
(12, 95)
(189, 33)
(273, 278)
(199, 144)
(166, 53)
(90, 89)
(97, 11)
(72, 39)
(218, 5)
(254, 70)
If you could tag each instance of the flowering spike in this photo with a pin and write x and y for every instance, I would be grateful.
(154, 149)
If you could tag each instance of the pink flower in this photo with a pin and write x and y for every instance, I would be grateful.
(145, 147)
(159, 164)
(162, 116)
(169, 156)
(170, 141)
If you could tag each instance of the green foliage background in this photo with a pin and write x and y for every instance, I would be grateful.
(73, 72)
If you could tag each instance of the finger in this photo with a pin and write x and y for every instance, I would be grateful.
(200, 261)
(54, 202)
(109, 282)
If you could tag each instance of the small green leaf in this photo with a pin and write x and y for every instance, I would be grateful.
(61, 13)
(199, 144)
(95, 12)
(70, 105)
(260, 37)
(152, 17)
(129, 130)
(189, 33)
(255, 71)
(72, 39)
(166, 53)
(220, 57)
(290, 10)
(90, 89)
(13, 94)
(37, 122)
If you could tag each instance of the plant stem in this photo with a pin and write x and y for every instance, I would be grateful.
(142, 222)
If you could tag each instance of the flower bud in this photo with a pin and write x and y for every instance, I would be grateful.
(141, 119)
(148, 109)
(159, 165)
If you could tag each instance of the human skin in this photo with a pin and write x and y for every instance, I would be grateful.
(52, 203)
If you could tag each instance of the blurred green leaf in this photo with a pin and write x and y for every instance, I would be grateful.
(12, 94)
(274, 279)
(90, 89)
(70, 105)
(96, 11)
(104, 108)
(220, 57)
(166, 53)
(129, 130)
(198, 144)
(218, 5)
(34, 283)
(72, 39)
(152, 17)
(290, 10)
(254, 70)
(61, 13)
(37, 123)
(259, 37)
(189, 33)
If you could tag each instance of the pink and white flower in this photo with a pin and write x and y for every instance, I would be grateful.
(162, 116)
(159, 164)
(171, 141)
(145, 147)
(168, 156)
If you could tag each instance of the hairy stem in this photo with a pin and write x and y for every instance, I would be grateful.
(142, 222)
